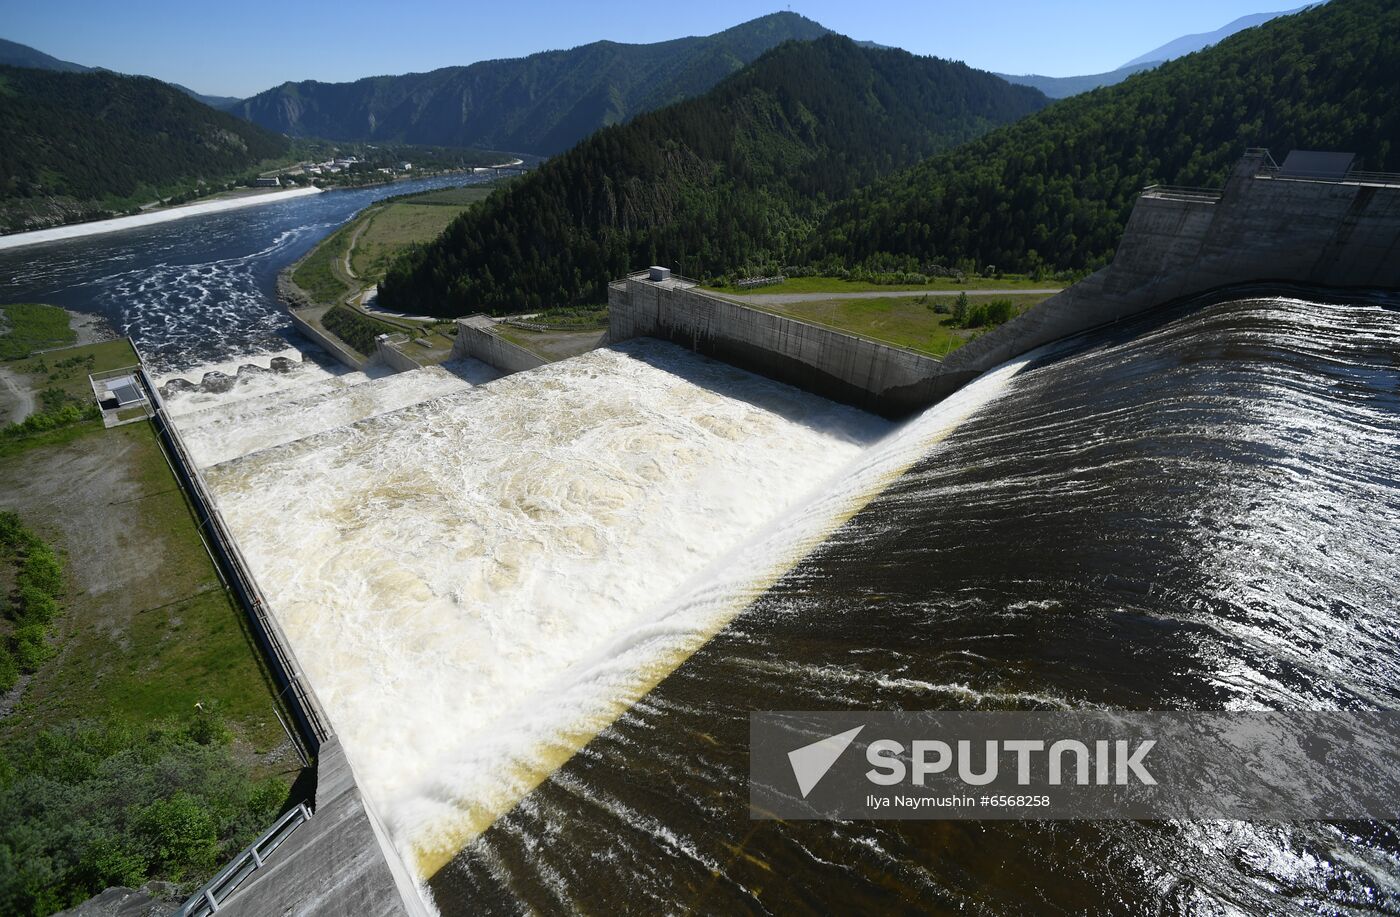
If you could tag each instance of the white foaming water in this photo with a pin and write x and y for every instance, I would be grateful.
(283, 415)
(475, 585)
(301, 377)
(475, 782)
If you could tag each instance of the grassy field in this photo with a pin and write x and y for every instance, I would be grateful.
(370, 242)
(319, 273)
(837, 285)
(68, 370)
(154, 718)
(27, 327)
(910, 322)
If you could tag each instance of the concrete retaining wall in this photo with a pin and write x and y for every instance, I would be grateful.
(332, 346)
(1263, 228)
(337, 863)
(390, 355)
(476, 338)
(877, 377)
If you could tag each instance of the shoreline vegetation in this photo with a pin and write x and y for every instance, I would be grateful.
(329, 286)
(139, 740)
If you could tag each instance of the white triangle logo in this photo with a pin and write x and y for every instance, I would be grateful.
(811, 762)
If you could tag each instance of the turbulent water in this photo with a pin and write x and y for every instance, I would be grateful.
(199, 290)
(1199, 510)
(440, 570)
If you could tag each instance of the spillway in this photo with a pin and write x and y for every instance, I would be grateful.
(1195, 510)
(446, 570)
(540, 608)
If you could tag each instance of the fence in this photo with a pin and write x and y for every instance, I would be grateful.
(208, 899)
(310, 721)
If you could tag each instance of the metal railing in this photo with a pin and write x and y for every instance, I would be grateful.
(1184, 191)
(233, 568)
(219, 889)
(677, 278)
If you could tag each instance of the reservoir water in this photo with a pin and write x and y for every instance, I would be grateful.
(540, 608)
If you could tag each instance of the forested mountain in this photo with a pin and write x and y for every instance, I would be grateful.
(540, 104)
(14, 54)
(1189, 44)
(733, 179)
(1056, 188)
(72, 144)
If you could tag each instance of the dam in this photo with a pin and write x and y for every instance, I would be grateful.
(540, 606)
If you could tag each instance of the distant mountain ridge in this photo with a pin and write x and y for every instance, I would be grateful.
(1061, 87)
(542, 104)
(732, 180)
(14, 54)
(1189, 44)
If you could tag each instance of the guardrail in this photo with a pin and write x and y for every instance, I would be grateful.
(1185, 191)
(305, 709)
(216, 891)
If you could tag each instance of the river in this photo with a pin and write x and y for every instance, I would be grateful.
(200, 290)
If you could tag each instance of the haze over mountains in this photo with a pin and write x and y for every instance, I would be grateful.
(14, 54)
(1060, 87)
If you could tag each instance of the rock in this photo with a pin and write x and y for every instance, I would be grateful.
(154, 899)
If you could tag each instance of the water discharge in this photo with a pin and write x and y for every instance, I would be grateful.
(1195, 510)
(473, 577)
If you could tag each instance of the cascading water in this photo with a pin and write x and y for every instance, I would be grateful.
(439, 569)
(1196, 510)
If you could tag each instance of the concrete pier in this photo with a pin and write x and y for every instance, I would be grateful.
(477, 338)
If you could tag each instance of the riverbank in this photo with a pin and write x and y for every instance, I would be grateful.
(98, 227)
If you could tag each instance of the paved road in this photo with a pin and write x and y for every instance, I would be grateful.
(782, 299)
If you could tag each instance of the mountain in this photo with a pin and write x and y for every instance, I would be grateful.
(730, 181)
(1062, 87)
(14, 54)
(1189, 44)
(73, 145)
(1056, 188)
(540, 104)
(222, 103)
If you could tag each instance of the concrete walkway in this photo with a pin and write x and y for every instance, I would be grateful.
(783, 299)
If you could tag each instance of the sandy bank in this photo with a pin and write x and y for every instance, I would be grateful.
(79, 230)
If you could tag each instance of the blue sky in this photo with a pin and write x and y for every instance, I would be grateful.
(242, 47)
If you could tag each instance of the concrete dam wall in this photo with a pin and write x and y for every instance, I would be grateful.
(881, 378)
(1266, 225)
